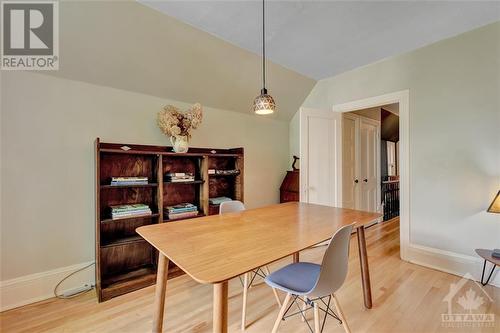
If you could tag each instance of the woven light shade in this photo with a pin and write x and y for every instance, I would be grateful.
(264, 103)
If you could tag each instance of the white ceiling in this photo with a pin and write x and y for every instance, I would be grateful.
(324, 38)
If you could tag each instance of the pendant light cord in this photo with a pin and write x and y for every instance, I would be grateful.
(263, 45)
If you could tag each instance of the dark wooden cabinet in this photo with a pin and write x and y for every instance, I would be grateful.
(124, 260)
(289, 190)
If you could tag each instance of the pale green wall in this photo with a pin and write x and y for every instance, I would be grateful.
(454, 133)
(48, 126)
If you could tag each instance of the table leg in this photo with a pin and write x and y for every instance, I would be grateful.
(220, 307)
(296, 257)
(365, 273)
(161, 287)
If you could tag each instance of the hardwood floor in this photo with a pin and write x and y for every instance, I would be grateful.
(406, 298)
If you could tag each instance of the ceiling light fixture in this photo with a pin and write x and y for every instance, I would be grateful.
(264, 103)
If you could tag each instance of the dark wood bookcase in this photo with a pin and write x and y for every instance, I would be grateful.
(124, 261)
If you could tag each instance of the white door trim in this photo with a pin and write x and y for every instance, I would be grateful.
(403, 98)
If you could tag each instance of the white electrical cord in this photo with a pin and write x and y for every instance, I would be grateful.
(69, 275)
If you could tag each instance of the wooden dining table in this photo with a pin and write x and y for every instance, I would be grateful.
(215, 249)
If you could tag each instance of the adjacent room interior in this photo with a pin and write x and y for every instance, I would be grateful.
(259, 166)
(370, 160)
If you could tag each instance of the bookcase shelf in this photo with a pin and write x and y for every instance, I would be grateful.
(185, 183)
(103, 187)
(184, 218)
(110, 220)
(124, 261)
(123, 241)
(128, 281)
(222, 175)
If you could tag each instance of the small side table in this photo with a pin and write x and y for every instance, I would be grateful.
(486, 255)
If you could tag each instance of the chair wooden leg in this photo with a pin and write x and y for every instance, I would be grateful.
(275, 292)
(316, 318)
(304, 307)
(341, 314)
(244, 307)
(281, 313)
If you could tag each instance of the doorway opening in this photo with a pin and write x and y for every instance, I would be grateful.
(321, 153)
(402, 98)
(389, 161)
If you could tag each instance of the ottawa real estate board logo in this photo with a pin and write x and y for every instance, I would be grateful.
(469, 306)
(30, 35)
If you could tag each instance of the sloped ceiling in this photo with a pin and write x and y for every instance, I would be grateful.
(324, 38)
(126, 45)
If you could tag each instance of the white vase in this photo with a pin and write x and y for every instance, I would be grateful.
(180, 143)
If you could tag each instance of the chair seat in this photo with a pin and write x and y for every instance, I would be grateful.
(298, 278)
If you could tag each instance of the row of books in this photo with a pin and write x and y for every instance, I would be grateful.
(170, 177)
(117, 181)
(174, 177)
(224, 172)
(130, 210)
(179, 177)
(180, 211)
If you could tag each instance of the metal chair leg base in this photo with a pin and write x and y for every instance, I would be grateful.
(310, 305)
(484, 283)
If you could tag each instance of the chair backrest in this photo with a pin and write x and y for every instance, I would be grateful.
(231, 206)
(335, 264)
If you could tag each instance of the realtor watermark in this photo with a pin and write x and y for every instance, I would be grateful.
(467, 302)
(30, 35)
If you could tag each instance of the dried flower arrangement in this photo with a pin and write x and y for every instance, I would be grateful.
(175, 123)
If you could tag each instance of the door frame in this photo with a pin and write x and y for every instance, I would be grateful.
(403, 98)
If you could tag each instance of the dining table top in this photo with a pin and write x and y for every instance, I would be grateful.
(216, 248)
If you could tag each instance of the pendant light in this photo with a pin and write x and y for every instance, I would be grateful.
(264, 103)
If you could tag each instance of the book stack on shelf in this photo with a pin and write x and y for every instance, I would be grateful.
(125, 211)
(218, 200)
(120, 181)
(181, 211)
(231, 172)
(179, 177)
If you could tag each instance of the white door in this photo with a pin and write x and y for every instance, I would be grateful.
(320, 153)
(369, 145)
(349, 163)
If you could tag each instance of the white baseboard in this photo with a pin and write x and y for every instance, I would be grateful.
(40, 286)
(451, 262)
